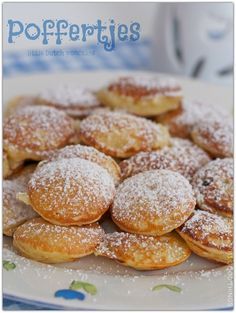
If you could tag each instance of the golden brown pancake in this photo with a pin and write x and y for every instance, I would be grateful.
(183, 157)
(215, 135)
(87, 153)
(144, 252)
(209, 235)
(70, 191)
(75, 101)
(143, 96)
(180, 122)
(153, 202)
(214, 187)
(122, 135)
(33, 131)
(41, 241)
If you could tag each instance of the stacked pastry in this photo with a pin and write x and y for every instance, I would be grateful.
(72, 154)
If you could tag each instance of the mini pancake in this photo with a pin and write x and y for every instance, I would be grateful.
(144, 96)
(90, 154)
(153, 202)
(70, 191)
(209, 235)
(16, 212)
(214, 187)
(122, 135)
(182, 157)
(73, 100)
(18, 103)
(41, 241)
(180, 122)
(33, 131)
(144, 252)
(214, 136)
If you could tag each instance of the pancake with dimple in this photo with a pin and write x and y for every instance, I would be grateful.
(153, 202)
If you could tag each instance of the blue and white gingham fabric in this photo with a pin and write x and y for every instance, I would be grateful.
(129, 56)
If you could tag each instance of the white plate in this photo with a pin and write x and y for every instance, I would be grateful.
(204, 284)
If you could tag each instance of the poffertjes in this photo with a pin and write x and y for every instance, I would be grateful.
(153, 202)
(144, 252)
(70, 191)
(143, 96)
(39, 240)
(122, 135)
(209, 235)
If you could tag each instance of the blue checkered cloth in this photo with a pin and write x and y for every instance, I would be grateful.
(129, 56)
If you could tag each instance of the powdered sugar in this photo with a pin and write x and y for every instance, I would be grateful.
(67, 95)
(75, 100)
(140, 251)
(183, 157)
(122, 133)
(37, 128)
(213, 185)
(210, 229)
(153, 85)
(181, 123)
(71, 188)
(87, 153)
(147, 197)
(38, 229)
(215, 135)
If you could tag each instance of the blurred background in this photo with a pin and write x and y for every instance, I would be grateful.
(188, 39)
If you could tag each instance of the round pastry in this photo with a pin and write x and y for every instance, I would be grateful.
(182, 157)
(17, 103)
(144, 96)
(33, 131)
(39, 240)
(90, 154)
(144, 252)
(73, 100)
(180, 122)
(209, 235)
(16, 212)
(215, 136)
(122, 135)
(70, 191)
(153, 203)
(214, 187)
